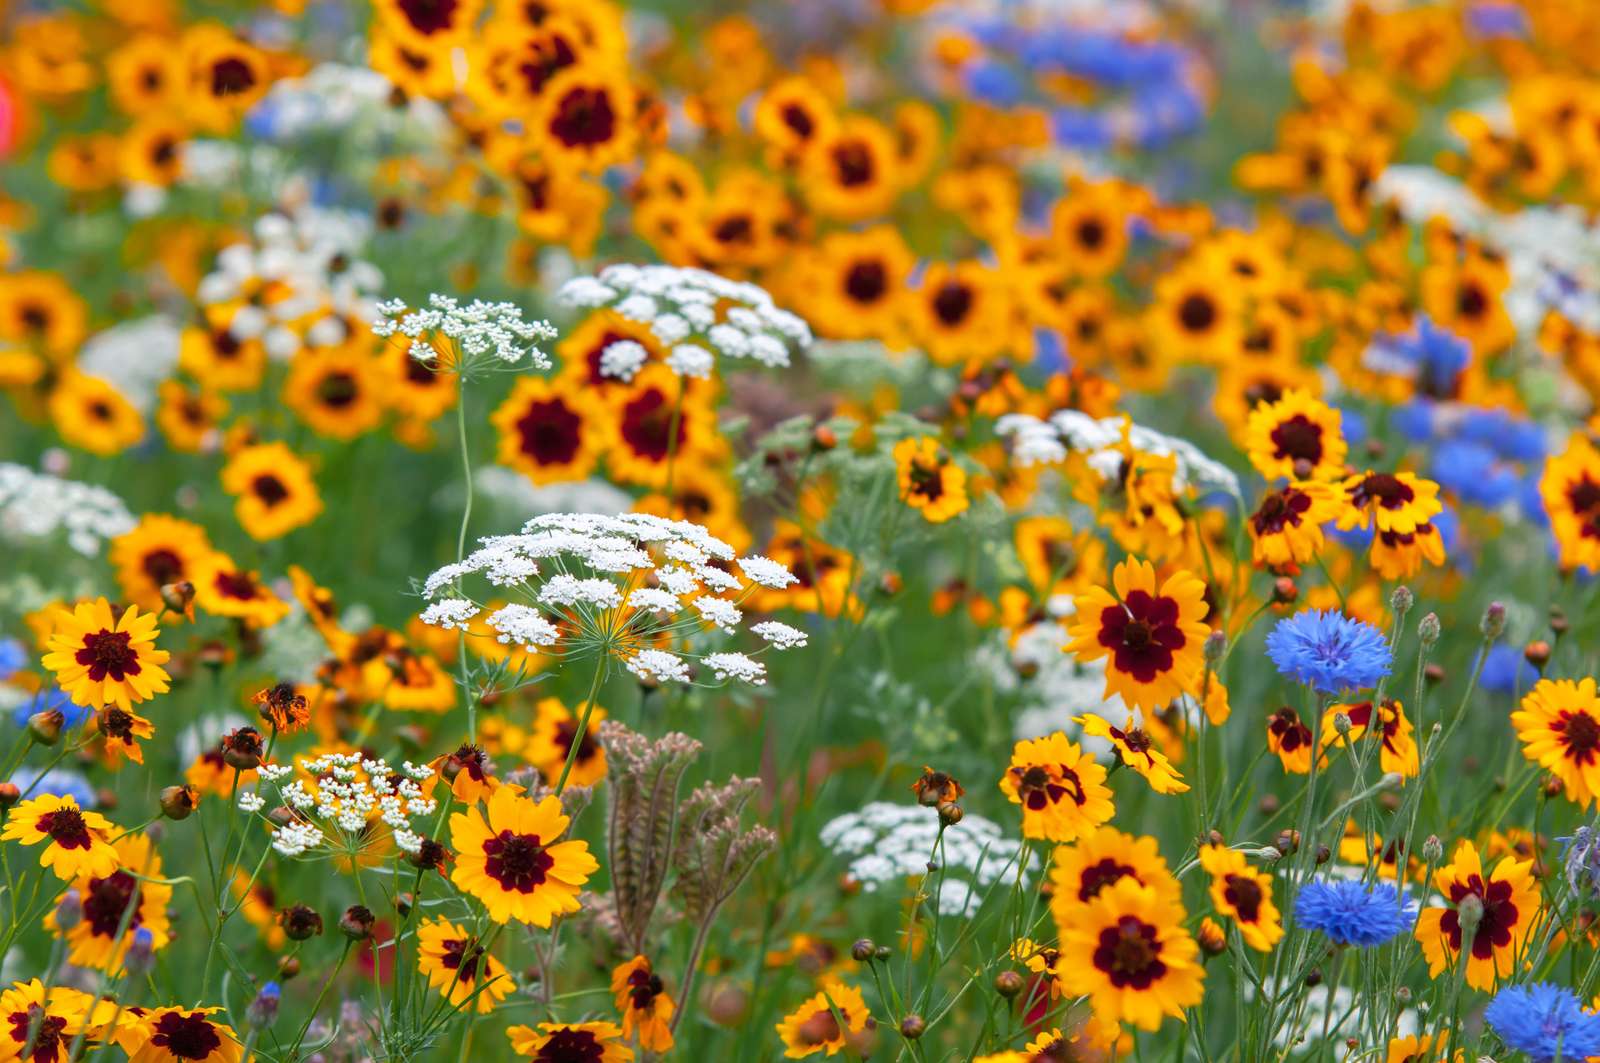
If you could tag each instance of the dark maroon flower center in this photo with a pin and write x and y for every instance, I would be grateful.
(107, 901)
(337, 390)
(952, 303)
(517, 861)
(1582, 733)
(643, 988)
(584, 118)
(463, 955)
(1197, 312)
(1129, 954)
(116, 723)
(49, 1040)
(1142, 633)
(1244, 893)
(1290, 733)
(188, 1036)
(1381, 488)
(588, 747)
(108, 653)
(852, 164)
(428, 17)
(1298, 437)
(236, 585)
(269, 489)
(548, 432)
(163, 566)
(571, 1046)
(866, 281)
(1039, 789)
(1281, 509)
(799, 119)
(926, 481)
(647, 426)
(1099, 875)
(232, 77)
(1091, 233)
(1471, 300)
(1499, 916)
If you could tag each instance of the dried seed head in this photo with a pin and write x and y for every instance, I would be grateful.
(357, 922)
(300, 922)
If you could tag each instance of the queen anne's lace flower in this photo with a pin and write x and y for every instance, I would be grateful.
(336, 799)
(735, 319)
(654, 594)
(468, 337)
(1036, 442)
(36, 506)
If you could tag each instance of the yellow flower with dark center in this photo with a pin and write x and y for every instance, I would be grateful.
(1152, 640)
(146, 74)
(93, 941)
(50, 1020)
(1297, 437)
(219, 361)
(1398, 502)
(1061, 789)
(791, 115)
(1385, 723)
(1558, 724)
(514, 861)
(703, 495)
(84, 164)
(418, 683)
(1286, 528)
(1570, 490)
(1099, 859)
(548, 430)
(227, 76)
(1195, 317)
(1090, 226)
(122, 730)
(640, 441)
(850, 171)
(825, 1022)
(102, 659)
(184, 1035)
(1399, 555)
(190, 420)
(645, 1006)
(554, 728)
(337, 391)
(424, 23)
(859, 285)
(159, 551)
(1243, 894)
(460, 967)
(930, 482)
(273, 490)
(961, 311)
(1290, 739)
(223, 588)
(1137, 749)
(1127, 951)
(1466, 297)
(559, 1042)
(415, 389)
(583, 118)
(424, 70)
(1509, 897)
(1058, 557)
(151, 152)
(92, 414)
(78, 840)
(40, 311)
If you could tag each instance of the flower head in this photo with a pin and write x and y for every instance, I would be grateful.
(1352, 913)
(78, 840)
(514, 860)
(1544, 1021)
(102, 659)
(1329, 651)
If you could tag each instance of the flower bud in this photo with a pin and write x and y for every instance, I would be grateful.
(1402, 996)
(288, 967)
(177, 596)
(1433, 673)
(1342, 724)
(430, 856)
(1537, 653)
(912, 1027)
(1213, 942)
(140, 957)
(1428, 629)
(1303, 469)
(1216, 645)
(1288, 842)
(1558, 621)
(69, 910)
(862, 950)
(1392, 780)
(1432, 849)
(179, 802)
(950, 814)
(1314, 977)
(1324, 854)
(1401, 600)
(242, 748)
(883, 952)
(300, 922)
(824, 438)
(264, 1008)
(10, 794)
(890, 583)
(1008, 984)
(357, 922)
(1469, 912)
(727, 1004)
(1284, 590)
(44, 727)
(1494, 621)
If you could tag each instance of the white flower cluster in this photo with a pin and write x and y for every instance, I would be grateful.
(888, 843)
(133, 357)
(35, 505)
(334, 98)
(1036, 442)
(695, 315)
(624, 585)
(476, 331)
(348, 792)
(309, 259)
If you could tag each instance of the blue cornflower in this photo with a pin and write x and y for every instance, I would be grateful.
(1542, 1020)
(1329, 651)
(1350, 913)
(12, 658)
(1438, 355)
(1506, 670)
(53, 698)
(1473, 471)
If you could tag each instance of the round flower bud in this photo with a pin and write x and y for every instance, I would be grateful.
(1213, 942)
(300, 922)
(1008, 984)
(824, 438)
(10, 794)
(1342, 724)
(1469, 912)
(862, 950)
(44, 727)
(1432, 849)
(1284, 590)
(1537, 653)
(140, 956)
(950, 814)
(1428, 629)
(1216, 645)
(912, 1027)
(1401, 600)
(264, 1008)
(1494, 621)
(357, 922)
(179, 802)
(177, 596)
(727, 1004)
(288, 967)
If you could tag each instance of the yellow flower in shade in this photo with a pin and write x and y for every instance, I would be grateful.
(646, 1009)
(189, 419)
(1399, 555)
(1128, 952)
(183, 1035)
(1509, 897)
(1297, 428)
(1137, 749)
(217, 360)
(1153, 641)
(1427, 1048)
(53, 1017)
(417, 682)
(1286, 529)
(91, 414)
(548, 431)
(1385, 722)
(1290, 739)
(460, 967)
(101, 659)
(338, 391)
(640, 440)
(1243, 894)
(273, 490)
(1558, 724)
(554, 727)
(1058, 557)
(222, 588)
(160, 550)
(78, 839)
(93, 941)
(825, 1022)
(849, 170)
(554, 1042)
(1392, 502)
(791, 114)
(1570, 489)
(1099, 859)
(122, 730)
(1061, 789)
(514, 862)
(930, 482)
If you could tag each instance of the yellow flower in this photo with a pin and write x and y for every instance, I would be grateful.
(273, 488)
(1127, 951)
(90, 413)
(1138, 751)
(591, 1042)
(101, 660)
(1559, 727)
(825, 1022)
(79, 839)
(1061, 789)
(1509, 898)
(929, 481)
(515, 863)
(645, 1006)
(1293, 430)
(460, 967)
(1153, 641)
(182, 1035)
(1244, 894)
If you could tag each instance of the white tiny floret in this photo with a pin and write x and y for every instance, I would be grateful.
(767, 572)
(779, 634)
(451, 614)
(736, 665)
(622, 359)
(659, 665)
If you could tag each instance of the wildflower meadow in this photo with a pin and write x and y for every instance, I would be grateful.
(589, 531)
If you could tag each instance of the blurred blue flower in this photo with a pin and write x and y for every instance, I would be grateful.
(1414, 420)
(1049, 353)
(55, 781)
(1353, 425)
(1078, 127)
(1329, 651)
(51, 698)
(1437, 355)
(1497, 20)
(1543, 1021)
(994, 83)
(13, 658)
(1506, 670)
(1474, 472)
(1350, 913)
